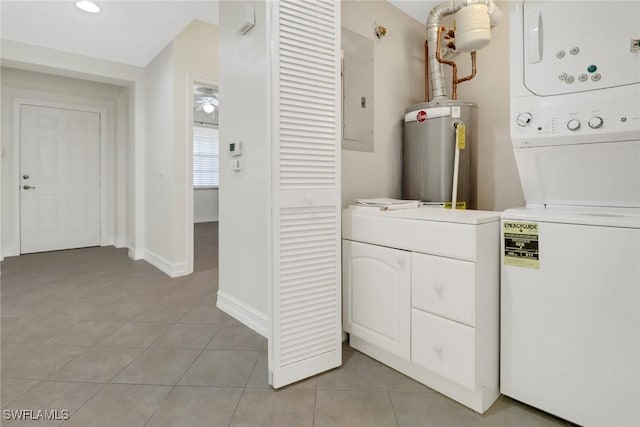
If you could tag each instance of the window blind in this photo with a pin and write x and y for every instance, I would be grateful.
(205, 156)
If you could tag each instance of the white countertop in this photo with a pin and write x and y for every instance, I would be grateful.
(425, 213)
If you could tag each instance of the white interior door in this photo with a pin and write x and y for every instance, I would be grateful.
(306, 324)
(59, 179)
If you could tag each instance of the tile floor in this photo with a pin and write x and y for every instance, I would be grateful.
(117, 343)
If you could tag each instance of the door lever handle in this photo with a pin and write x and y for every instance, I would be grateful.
(28, 187)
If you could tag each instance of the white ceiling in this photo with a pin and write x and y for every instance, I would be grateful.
(419, 10)
(130, 32)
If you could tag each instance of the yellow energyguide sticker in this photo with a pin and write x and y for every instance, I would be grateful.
(461, 136)
(521, 244)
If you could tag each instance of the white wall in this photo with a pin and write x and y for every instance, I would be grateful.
(244, 195)
(497, 180)
(34, 58)
(205, 204)
(160, 165)
(398, 83)
(169, 198)
(196, 59)
(49, 88)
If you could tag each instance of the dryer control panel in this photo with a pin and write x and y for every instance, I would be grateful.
(561, 121)
(572, 47)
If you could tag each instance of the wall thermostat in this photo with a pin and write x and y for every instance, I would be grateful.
(235, 148)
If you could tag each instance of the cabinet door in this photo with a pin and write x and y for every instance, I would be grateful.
(377, 295)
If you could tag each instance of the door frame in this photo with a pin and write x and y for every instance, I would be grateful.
(17, 104)
(193, 80)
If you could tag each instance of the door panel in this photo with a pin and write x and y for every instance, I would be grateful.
(306, 325)
(60, 167)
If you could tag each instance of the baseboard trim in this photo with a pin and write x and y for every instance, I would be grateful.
(8, 251)
(136, 254)
(205, 219)
(171, 269)
(121, 242)
(251, 317)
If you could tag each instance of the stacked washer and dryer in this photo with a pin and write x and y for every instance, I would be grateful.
(570, 299)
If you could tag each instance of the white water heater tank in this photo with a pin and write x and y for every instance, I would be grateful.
(473, 28)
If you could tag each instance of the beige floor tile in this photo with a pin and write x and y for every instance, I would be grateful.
(14, 387)
(99, 364)
(53, 396)
(120, 311)
(158, 366)
(32, 331)
(197, 406)
(78, 310)
(235, 336)
(68, 297)
(170, 313)
(36, 361)
(221, 368)
(507, 412)
(120, 405)
(396, 381)
(358, 372)
(85, 332)
(267, 407)
(206, 313)
(183, 298)
(354, 409)
(135, 335)
(40, 307)
(186, 336)
(432, 410)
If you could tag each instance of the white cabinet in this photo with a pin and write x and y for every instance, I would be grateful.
(421, 294)
(377, 295)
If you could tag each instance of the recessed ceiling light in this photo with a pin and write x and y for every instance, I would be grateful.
(87, 6)
(208, 108)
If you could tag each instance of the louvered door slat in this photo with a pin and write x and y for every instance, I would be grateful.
(306, 322)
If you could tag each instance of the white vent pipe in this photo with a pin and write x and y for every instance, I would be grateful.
(436, 75)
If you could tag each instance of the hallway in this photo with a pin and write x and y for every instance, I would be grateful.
(115, 342)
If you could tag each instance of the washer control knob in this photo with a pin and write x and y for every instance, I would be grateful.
(573, 125)
(596, 122)
(524, 119)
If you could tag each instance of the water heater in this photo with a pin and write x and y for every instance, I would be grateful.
(429, 152)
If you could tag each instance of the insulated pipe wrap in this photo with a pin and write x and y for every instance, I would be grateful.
(436, 74)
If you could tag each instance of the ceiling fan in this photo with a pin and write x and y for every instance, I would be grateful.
(207, 100)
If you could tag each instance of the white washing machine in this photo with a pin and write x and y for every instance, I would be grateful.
(570, 285)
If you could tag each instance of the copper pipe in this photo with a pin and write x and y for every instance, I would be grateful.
(426, 71)
(454, 67)
(473, 69)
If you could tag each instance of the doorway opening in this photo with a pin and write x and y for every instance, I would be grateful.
(205, 174)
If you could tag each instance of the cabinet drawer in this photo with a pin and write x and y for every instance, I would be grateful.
(433, 237)
(443, 346)
(444, 286)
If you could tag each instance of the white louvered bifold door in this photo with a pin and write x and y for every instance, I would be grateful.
(306, 324)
